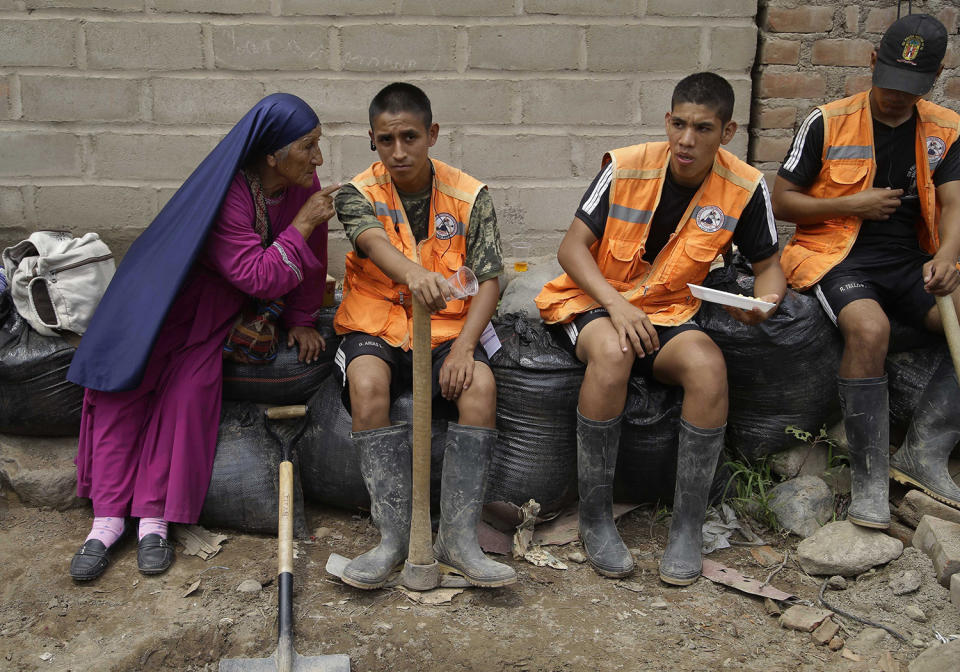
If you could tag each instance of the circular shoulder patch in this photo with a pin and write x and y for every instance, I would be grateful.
(935, 149)
(710, 219)
(444, 225)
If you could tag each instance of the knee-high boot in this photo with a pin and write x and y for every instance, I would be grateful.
(385, 462)
(697, 457)
(597, 445)
(866, 419)
(933, 434)
(466, 461)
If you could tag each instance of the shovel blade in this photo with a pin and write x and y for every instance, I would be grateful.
(332, 663)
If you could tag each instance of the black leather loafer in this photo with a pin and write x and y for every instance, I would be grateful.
(90, 561)
(154, 554)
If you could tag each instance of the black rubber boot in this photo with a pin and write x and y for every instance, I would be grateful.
(466, 461)
(386, 465)
(931, 437)
(697, 456)
(597, 444)
(866, 419)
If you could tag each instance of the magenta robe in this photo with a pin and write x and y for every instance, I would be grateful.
(148, 452)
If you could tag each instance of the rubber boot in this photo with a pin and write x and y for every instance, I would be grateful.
(931, 437)
(866, 419)
(466, 462)
(697, 457)
(386, 465)
(597, 444)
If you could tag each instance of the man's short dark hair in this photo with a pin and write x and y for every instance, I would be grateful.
(706, 88)
(401, 97)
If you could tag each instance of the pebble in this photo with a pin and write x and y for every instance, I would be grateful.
(905, 582)
(659, 604)
(837, 583)
(577, 557)
(322, 532)
(835, 644)
(53, 604)
(224, 623)
(46, 655)
(916, 613)
(250, 586)
(918, 643)
(659, 622)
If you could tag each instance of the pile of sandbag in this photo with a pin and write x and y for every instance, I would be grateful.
(35, 397)
(538, 384)
(781, 372)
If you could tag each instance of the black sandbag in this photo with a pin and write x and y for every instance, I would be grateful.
(781, 372)
(245, 485)
(538, 384)
(285, 380)
(330, 465)
(647, 456)
(36, 399)
(908, 374)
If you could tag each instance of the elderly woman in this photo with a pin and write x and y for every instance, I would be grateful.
(249, 222)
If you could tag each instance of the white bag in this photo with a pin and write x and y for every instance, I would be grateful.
(56, 280)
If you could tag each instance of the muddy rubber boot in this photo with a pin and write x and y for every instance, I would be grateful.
(597, 444)
(386, 465)
(866, 419)
(466, 462)
(933, 434)
(697, 456)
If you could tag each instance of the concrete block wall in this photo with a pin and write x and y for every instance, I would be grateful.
(815, 51)
(107, 105)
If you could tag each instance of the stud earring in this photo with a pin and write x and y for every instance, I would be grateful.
(373, 147)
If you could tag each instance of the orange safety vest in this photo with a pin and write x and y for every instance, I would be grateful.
(703, 232)
(375, 304)
(848, 168)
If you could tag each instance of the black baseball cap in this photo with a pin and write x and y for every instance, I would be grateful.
(910, 54)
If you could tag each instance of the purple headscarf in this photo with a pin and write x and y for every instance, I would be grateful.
(114, 350)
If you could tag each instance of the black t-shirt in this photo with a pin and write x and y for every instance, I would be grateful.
(755, 235)
(896, 168)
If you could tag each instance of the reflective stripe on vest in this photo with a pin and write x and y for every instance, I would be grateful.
(372, 302)
(849, 168)
(703, 232)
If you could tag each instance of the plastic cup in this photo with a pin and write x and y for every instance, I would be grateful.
(521, 253)
(463, 283)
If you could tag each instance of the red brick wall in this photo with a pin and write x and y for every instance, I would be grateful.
(815, 51)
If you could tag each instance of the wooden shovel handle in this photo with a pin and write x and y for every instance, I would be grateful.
(421, 542)
(948, 317)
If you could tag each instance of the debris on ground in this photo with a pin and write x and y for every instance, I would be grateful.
(846, 549)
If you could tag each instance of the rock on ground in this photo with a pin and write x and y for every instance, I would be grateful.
(802, 504)
(940, 539)
(801, 460)
(867, 641)
(40, 470)
(905, 582)
(916, 504)
(804, 619)
(943, 658)
(846, 549)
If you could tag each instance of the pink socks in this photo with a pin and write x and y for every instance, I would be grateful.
(152, 526)
(106, 530)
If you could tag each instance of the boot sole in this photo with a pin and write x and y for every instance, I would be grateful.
(901, 477)
(674, 581)
(868, 523)
(609, 574)
(497, 583)
(361, 585)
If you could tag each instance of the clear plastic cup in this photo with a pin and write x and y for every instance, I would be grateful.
(521, 253)
(463, 283)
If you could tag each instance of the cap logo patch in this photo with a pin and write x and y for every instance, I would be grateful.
(912, 45)
(445, 226)
(710, 219)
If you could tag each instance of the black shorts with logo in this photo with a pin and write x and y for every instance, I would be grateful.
(566, 336)
(399, 360)
(896, 283)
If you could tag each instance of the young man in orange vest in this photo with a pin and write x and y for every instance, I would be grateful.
(414, 221)
(654, 219)
(873, 183)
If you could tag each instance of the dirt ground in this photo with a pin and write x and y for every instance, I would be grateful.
(551, 620)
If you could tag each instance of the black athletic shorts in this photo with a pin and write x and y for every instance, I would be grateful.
(566, 336)
(897, 285)
(399, 360)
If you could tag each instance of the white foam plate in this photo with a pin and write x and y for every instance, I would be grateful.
(728, 299)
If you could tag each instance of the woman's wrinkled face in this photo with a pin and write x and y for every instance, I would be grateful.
(297, 162)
